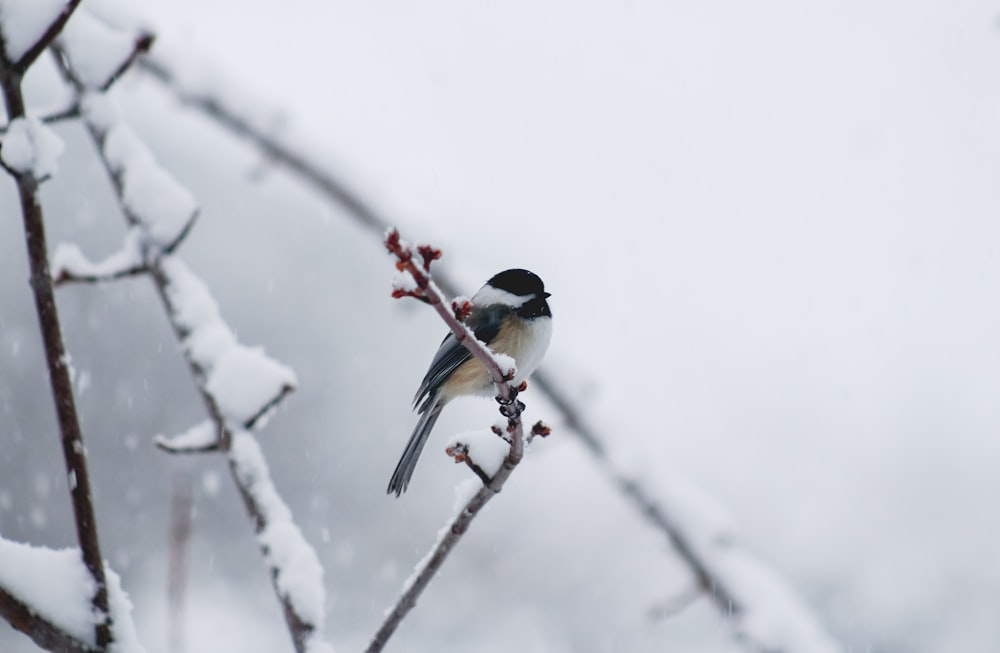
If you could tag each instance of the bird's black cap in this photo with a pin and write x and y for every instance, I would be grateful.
(519, 282)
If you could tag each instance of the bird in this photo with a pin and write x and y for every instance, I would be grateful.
(511, 314)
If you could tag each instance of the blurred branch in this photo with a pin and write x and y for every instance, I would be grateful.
(181, 513)
(510, 407)
(69, 113)
(174, 284)
(74, 451)
(675, 604)
(42, 632)
(230, 114)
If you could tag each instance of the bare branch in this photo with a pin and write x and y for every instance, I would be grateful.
(42, 632)
(460, 452)
(510, 407)
(143, 42)
(181, 514)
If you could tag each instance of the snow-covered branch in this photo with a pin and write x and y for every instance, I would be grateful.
(239, 385)
(47, 593)
(492, 480)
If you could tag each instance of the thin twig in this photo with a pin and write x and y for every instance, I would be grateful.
(69, 113)
(140, 45)
(66, 277)
(510, 407)
(74, 451)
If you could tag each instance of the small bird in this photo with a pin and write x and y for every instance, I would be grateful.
(511, 315)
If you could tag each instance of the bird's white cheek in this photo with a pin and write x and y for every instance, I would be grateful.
(534, 344)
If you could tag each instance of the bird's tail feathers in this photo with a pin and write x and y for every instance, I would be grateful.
(431, 410)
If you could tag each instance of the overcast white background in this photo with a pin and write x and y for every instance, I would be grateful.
(771, 233)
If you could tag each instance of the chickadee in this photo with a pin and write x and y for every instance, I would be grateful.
(511, 316)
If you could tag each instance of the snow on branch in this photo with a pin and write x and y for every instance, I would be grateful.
(492, 467)
(295, 568)
(27, 28)
(70, 264)
(47, 594)
(150, 196)
(30, 148)
(203, 437)
(243, 381)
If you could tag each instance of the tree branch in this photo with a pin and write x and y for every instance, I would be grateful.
(74, 451)
(511, 408)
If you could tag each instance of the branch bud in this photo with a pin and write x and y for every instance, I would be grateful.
(541, 429)
(458, 451)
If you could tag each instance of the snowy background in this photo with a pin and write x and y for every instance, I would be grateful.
(771, 234)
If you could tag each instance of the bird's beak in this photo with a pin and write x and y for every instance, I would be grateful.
(546, 295)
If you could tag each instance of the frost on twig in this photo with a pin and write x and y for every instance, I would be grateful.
(493, 468)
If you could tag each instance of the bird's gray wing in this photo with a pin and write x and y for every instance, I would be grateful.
(451, 354)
